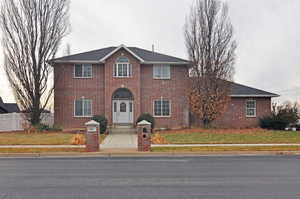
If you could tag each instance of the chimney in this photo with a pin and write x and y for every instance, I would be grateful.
(152, 47)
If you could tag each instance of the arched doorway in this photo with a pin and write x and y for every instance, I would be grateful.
(122, 106)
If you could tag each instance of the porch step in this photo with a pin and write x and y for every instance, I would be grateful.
(122, 126)
(122, 130)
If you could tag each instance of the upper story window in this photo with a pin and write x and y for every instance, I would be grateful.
(83, 108)
(161, 72)
(122, 67)
(83, 70)
(250, 108)
(162, 108)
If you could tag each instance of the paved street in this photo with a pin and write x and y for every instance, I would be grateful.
(169, 178)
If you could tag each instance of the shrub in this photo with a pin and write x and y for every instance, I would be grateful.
(148, 117)
(42, 127)
(281, 117)
(102, 121)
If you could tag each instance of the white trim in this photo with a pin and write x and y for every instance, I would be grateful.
(250, 100)
(254, 95)
(82, 66)
(116, 70)
(162, 116)
(77, 61)
(170, 63)
(78, 116)
(118, 48)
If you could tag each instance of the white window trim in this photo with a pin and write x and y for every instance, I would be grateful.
(161, 65)
(82, 77)
(170, 108)
(83, 116)
(251, 116)
(129, 68)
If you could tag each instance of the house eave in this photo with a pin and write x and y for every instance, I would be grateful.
(254, 95)
(171, 63)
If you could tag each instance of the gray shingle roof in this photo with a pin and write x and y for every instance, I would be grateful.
(239, 90)
(8, 107)
(97, 55)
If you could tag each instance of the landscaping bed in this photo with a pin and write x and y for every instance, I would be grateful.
(41, 138)
(225, 136)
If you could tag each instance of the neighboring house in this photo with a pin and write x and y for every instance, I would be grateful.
(123, 82)
(8, 107)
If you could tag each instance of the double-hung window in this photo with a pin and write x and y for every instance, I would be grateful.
(83, 108)
(161, 72)
(122, 68)
(162, 108)
(250, 108)
(83, 70)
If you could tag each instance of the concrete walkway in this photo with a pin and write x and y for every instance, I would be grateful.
(126, 140)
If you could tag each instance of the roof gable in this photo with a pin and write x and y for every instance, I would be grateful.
(100, 55)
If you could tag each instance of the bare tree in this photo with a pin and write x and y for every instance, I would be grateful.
(32, 32)
(211, 49)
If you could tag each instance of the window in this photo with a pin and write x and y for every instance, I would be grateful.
(83, 70)
(250, 108)
(161, 72)
(162, 108)
(122, 68)
(123, 107)
(83, 108)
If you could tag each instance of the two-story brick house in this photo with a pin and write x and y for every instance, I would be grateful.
(123, 82)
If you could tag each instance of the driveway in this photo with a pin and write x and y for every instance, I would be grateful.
(134, 178)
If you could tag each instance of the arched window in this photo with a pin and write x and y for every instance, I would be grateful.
(122, 67)
(122, 93)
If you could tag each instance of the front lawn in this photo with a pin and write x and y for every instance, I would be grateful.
(227, 136)
(38, 138)
(225, 148)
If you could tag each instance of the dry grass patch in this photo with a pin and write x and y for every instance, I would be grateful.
(42, 138)
(40, 150)
(228, 136)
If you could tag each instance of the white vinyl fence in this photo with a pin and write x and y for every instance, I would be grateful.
(17, 121)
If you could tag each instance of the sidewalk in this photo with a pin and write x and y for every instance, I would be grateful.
(130, 143)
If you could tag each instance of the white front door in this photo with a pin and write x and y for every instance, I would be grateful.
(122, 111)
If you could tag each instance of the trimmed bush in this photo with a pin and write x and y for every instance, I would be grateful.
(282, 116)
(273, 122)
(102, 121)
(148, 117)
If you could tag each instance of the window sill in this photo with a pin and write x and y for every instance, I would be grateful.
(122, 77)
(250, 116)
(162, 116)
(82, 116)
(82, 77)
(155, 78)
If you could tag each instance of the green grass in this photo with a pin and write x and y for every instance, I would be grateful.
(227, 137)
(39, 138)
(226, 148)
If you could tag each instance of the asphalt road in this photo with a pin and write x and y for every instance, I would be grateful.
(169, 178)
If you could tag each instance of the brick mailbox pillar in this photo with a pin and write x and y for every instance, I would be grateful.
(144, 135)
(92, 136)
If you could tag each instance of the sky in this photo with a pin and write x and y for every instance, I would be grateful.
(267, 33)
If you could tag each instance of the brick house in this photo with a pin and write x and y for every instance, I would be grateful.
(123, 82)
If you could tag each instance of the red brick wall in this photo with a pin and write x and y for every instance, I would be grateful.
(173, 89)
(67, 89)
(235, 116)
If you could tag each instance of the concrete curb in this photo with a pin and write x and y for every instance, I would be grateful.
(144, 154)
